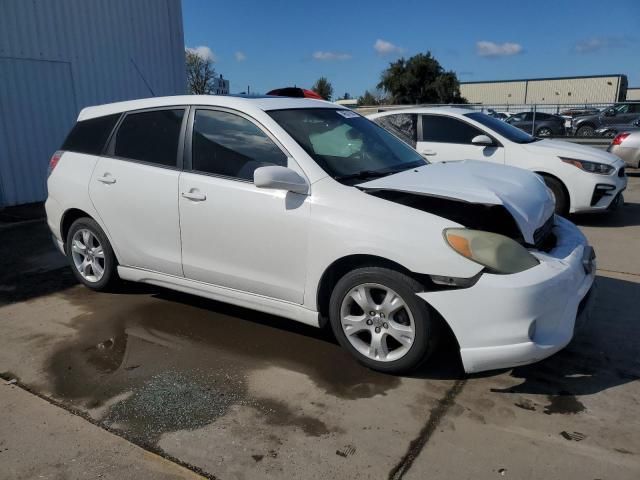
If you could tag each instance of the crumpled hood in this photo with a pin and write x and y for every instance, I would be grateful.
(561, 148)
(522, 193)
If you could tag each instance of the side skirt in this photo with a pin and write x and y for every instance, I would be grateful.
(222, 294)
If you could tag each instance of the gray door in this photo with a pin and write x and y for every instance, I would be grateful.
(37, 109)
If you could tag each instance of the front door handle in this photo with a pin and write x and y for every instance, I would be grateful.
(195, 196)
(106, 178)
(428, 153)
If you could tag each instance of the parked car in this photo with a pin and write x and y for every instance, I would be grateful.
(578, 111)
(626, 145)
(583, 179)
(309, 211)
(620, 113)
(539, 124)
(612, 130)
(499, 115)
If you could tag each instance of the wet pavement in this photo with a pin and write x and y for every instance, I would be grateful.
(239, 394)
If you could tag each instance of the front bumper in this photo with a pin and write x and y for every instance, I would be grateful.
(509, 320)
(589, 197)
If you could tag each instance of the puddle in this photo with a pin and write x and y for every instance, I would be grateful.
(179, 362)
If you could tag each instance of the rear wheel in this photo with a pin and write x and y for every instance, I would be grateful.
(559, 194)
(585, 131)
(376, 315)
(544, 132)
(90, 254)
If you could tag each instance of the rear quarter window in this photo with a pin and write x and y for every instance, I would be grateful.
(90, 136)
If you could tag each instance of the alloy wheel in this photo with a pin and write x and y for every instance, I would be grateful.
(88, 255)
(377, 322)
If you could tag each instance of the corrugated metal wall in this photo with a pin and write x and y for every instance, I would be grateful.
(57, 57)
(546, 91)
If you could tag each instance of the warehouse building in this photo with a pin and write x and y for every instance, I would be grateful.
(547, 91)
(633, 93)
(58, 57)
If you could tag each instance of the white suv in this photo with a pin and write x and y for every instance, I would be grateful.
(307, 210)
(582, 179)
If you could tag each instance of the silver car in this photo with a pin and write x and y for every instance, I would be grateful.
(626, 145)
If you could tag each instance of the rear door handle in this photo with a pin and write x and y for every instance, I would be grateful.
(106, 178)
(195, 196)
(428, 152)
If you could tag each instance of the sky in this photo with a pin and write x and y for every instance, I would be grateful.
(271, 44)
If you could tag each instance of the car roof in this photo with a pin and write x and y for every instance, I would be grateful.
(445, 110)
(244, 103)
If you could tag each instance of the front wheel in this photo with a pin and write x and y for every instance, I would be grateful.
(376, 315)
(585, 131)
(559, 194)
(90, 254)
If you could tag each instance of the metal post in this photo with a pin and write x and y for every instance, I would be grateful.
(533, 123)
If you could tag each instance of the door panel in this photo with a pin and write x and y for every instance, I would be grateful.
(239, 236)
(138, 204)
(447, 139)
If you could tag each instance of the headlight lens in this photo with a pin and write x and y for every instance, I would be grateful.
(498, 253)
(591, 167)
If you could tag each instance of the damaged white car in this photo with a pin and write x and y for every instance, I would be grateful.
(305, 210)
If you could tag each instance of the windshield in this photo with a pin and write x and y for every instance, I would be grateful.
(502, 128)
(346, 145)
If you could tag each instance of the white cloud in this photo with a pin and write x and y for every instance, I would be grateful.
(386, 48)
(491, 49)
(328, 56)
(596, 44)
(240, 56)
(203, 52)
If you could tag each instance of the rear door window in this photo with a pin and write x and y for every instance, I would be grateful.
(402, 125)
(90, 136)
(150, 137)
(229, 145)
(442, 129)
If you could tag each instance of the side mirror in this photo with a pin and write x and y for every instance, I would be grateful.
(280, 178)
(482, 140)
(610, 113)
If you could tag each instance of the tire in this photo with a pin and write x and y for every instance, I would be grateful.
(86, 267)
(544, 132)
(411, 322)
(585, 131)
(560, 194)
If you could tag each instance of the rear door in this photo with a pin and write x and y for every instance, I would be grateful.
(443, 138)
(134, 188)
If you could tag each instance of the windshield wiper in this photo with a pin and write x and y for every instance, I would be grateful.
(367, 174)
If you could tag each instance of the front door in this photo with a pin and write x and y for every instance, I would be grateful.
(442, 138)
(234, 234)
(135, 190)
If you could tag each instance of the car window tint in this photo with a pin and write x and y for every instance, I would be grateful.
(542, 116)
(89, 136)
(230, 145)
(150, 136)
(438, 128)
(402, 125)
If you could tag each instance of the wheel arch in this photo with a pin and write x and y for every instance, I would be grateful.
(73, 214)
(562, 184)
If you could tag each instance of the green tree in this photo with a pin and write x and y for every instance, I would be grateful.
(323, 88)
(367, 99)
(200, 74)
(420, 79)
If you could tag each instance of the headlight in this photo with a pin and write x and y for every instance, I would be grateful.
(591, 167)
(498, 253)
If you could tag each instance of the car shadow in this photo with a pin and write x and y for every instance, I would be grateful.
(628, 215)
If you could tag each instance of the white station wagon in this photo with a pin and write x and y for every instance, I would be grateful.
(309, 211)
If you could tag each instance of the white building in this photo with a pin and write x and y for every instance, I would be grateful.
(57, 57)
(633, 93)
(558, 90)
